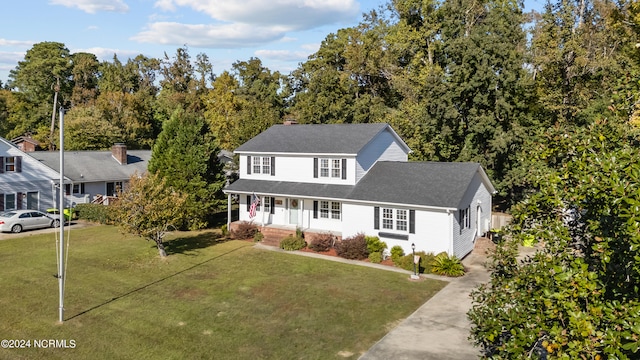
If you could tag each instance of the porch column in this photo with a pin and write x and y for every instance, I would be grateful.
(262, 210)
(229, 212)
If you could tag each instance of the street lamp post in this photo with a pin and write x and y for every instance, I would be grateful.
(414, 276)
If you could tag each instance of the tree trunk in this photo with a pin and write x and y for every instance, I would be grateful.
(161, 249)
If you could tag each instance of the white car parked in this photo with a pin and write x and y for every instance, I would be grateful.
(17, 220)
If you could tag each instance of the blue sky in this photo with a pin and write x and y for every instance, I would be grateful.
(282, 33)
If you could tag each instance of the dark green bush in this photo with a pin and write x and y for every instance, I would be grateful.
(322, 242)
(244, 230)
(291, 243)
(375, 245)
(375, 257)
(102, 214)
(354, 247)
(446, 265)
(258, 236)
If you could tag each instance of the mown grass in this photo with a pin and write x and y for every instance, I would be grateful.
(210, 299)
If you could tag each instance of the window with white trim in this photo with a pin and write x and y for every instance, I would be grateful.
(267, 203)
(266, 165)
(395, 219)
(330, 209)
(256, 164)
(465, 218)
(335, 210)
(324, 167)
(336, 170)
(401, 220)
(10, 164)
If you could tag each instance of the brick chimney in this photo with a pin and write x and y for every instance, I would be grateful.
(119, 152)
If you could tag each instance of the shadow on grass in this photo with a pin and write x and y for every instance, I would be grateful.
(153, 283)
(183, 245)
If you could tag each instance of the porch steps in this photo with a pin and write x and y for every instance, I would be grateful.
(273, 235)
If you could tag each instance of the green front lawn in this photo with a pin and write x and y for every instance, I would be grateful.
(208, 300)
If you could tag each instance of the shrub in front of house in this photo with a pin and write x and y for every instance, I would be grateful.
(95, 212)
(258, 236)
(322, 242)
(375, 245)
(446, 265)
(406, 262)
(244, 230)
(396, 253)
(375, 257)
(354, 247)
(291, 243)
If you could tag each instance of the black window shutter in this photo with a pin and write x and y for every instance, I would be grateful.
(248, 202)
(273, 166)
(376, 218)
(19, 201)
(315, 167)
(18, 163)
(249, 165)
(315, 209)
(1, 201)
(1, 164)
(273, 205)
(344, 169)
(412, 221)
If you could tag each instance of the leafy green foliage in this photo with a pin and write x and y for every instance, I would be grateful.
(95, 212)
(258, 237)
(292, 243)
(186, 155)
(353, 247)
(407, 262)
(375, 257)
(579, 293)
(396, 253)
(149, 208)
(446, 265)
(375, 245)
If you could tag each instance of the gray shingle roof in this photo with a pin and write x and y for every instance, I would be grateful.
(433, 184)
(314, 139)
(439, 184)
(89, 166)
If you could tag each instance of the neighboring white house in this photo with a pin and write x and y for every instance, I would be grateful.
(28, 180)
(355, 178)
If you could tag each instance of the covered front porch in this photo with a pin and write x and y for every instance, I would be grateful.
(272, 233)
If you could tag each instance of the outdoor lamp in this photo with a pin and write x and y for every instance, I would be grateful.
(415, 273)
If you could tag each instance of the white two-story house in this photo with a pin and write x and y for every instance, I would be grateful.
(355, 178)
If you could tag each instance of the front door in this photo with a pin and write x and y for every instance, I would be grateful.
(294, 208)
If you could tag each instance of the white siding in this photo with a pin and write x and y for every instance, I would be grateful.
(432, 228)
(477, 197)
(383, 148)
(298, 169)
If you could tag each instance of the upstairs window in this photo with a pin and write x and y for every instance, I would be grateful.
(330, 168)
(261, 165)
(10, 164)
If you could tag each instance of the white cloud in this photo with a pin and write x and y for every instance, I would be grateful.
(11, 57)
(282, 55)
(294, 14)
(5, 42)
(94, 6)
(311, 47)
(209, 36)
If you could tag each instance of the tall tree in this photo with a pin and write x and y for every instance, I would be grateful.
(222, 110)
(85, 79)
(44, 74)
(185, 154)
